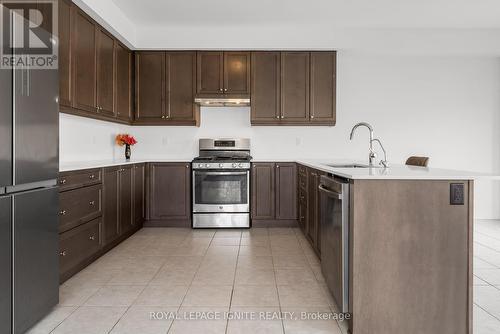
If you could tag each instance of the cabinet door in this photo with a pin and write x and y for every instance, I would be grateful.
(311, 228)
(323, 87)
(210, 71)
(150, 83)
(138, 194)
(263, 188)
(105, 73)
(295, 87)
(123, 95)
(265, 87)
(84, 57)
(170, 191)
(237, 72)
(110, 204)
(125, 198)
(64, 30)
(286, 191)
(181, 82)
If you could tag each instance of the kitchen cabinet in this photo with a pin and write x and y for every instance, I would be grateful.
(323, 87)
(111, 203)
(126, 193)
(265, 96)
(169, 194)
(223, 72)
(105, 84)
(84, 62)
(123, 79)
(274, 191)
(65, 62)
(165, 88)
(79, 206)
(294, 87)
(139, 192)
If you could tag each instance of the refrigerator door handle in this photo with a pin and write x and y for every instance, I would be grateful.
(31, 186)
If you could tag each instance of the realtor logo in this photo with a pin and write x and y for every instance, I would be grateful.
(29, 34)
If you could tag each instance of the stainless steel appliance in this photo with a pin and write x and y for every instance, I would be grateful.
(334, 218)
(221, 184)
(29, 163)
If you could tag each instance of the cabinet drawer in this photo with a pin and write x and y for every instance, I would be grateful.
(78, 206)
(77, 179)
(78, 245)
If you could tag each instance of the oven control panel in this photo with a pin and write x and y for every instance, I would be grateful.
(221, 165)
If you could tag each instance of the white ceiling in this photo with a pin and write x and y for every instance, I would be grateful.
(337, 13)
(439, 27)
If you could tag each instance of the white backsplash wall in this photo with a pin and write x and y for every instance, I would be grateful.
(447, 108)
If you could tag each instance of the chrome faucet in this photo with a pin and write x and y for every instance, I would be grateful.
(372, 155)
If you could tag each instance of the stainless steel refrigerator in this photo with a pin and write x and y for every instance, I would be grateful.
(29, 204)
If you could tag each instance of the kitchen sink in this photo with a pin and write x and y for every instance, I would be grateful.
(353, 165)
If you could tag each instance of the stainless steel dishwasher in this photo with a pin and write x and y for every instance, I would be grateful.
(334, 219)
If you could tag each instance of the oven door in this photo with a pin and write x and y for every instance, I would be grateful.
(221, 191)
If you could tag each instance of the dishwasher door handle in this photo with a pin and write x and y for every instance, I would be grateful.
(330, 193)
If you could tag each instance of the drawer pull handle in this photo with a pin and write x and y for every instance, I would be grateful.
(62, 212)
(63, 253)
(63, 181)
(92, 238)
(92, 176)
(92, 203)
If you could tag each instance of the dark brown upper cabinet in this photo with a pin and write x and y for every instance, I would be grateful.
(105, 73)
(223, 73)
(165, 88)
(123, 91)
(84, 62)
(180, 86)
(265, 97)
(64, 29)
(170, 193)
(294, 87)
(323, 87)
(149, 81)
(274, 191)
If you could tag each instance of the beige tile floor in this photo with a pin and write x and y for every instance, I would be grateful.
(166, 271)
(253, 272)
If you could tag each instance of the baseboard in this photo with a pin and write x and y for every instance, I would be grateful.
(168, 223)
(274, 223)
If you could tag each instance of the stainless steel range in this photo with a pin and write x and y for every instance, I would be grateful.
(221, 184)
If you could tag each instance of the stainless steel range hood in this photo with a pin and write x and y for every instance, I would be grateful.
(223, 101)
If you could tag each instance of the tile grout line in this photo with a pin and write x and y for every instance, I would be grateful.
(482, 308)
(234, 282)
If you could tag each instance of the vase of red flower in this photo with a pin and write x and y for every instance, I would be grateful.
(127, 140)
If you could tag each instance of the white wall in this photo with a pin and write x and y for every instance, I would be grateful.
(445, 107)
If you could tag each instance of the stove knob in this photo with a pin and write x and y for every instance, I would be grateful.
(207, 165)
(240, 165)
(234, 165)
(221, 165)
(200, 165)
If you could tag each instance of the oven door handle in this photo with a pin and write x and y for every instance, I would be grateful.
(221, 173)
(330, 193)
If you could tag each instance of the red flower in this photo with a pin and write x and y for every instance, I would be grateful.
(122, 139)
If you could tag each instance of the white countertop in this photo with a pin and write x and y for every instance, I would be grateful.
(394, 172)
(71, 166)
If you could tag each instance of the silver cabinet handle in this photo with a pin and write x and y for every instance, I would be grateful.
(63, 253)
(220, 89)
(277, 116)
(277, 166)
(62, 212)
(63, 181)
(92, 238)
(92, 203)
(312, 116)
(92, 176)
(225, 89)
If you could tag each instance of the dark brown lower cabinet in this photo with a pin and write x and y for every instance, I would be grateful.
(111, 229)
(139, 186)
(126, 193)
(169, 194)
(274, 194)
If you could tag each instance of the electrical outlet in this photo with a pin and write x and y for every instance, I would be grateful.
(457, 194)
